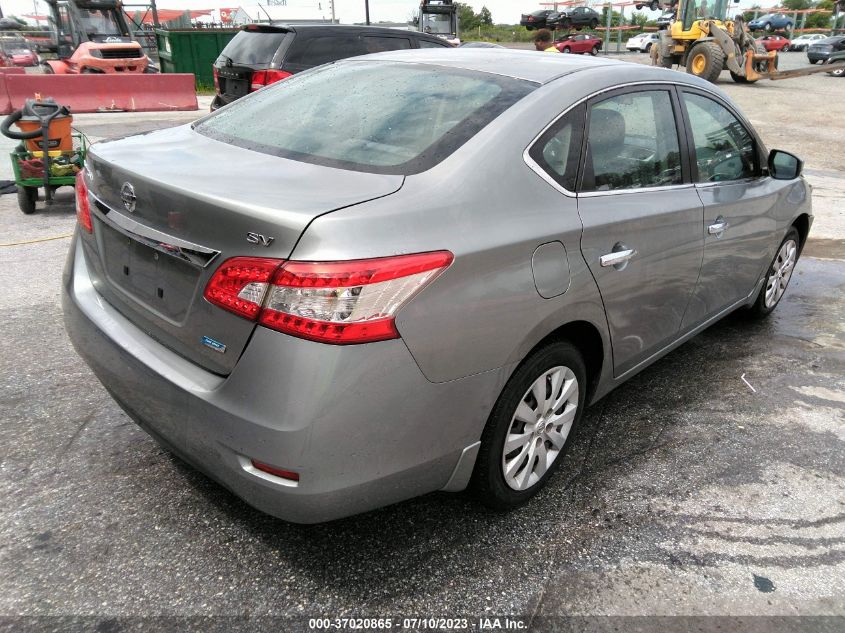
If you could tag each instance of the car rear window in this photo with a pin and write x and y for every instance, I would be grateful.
(254, 48)
(378, 117)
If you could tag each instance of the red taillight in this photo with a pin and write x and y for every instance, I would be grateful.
(239, 285)
(272, 470)
(261, 78)
(332, 302)
(83, 206)
(216, 80)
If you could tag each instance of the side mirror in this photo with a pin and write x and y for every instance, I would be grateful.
(784, 166)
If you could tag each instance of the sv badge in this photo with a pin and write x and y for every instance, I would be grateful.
(257, 238)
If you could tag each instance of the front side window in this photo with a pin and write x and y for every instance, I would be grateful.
(724, 149)
(378, 117)
(632, 143)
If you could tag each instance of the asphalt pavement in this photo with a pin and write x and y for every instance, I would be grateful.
(712, 484)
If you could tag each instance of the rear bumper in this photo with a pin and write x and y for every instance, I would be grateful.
(360, 424)
(817, 56)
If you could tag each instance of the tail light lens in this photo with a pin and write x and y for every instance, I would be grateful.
(83, 206)
(331, 302)
(261, 78)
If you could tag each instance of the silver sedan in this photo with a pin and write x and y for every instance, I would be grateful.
(413, 271)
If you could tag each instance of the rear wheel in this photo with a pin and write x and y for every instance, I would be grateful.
(594, 23)
(27, 197)
(529, 428)
(47, 69)
(706, 60)
(594, 51)
(814, 61)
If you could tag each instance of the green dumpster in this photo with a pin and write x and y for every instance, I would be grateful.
(192, 51)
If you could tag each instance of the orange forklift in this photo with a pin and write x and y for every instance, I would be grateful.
(92, 36)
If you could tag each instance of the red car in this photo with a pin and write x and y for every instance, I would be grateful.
(583, 43)
(774, 42)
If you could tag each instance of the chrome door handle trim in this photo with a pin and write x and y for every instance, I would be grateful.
(617, 257)
(718, 227)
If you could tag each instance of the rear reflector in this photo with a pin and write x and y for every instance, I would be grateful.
(332, 302)
(278, 472)
(83, 205)
(261, 78)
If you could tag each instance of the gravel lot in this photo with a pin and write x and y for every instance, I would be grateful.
(686, 493)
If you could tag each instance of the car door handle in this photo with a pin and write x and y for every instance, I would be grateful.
(718, 227)
(617, 257)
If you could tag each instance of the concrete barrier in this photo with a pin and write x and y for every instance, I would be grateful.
(5, 103)
(12, 70)
(104, 93)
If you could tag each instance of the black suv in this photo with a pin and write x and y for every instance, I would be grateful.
(578, 17)
(535, 20)
(262, 54)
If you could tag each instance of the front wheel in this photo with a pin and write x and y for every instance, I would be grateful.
(529, 428)
(780, 272)
(767, 26)
(814, 61)
(27, 197)
(566, 49)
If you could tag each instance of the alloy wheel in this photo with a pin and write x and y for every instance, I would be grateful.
(782, 269)
(539, 427)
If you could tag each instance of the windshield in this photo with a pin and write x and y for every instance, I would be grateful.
(701, 9)
(99, 22)
(378, 117)
(438, 24)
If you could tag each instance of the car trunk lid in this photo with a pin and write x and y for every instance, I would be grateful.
(170, 206)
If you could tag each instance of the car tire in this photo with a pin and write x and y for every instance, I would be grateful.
(557, 371)
(27, 197)
(767, 27)
(647, 48)
(813, 61)
(594, 23)
(594, 51)
(566, 49)
(706, 60)
(774, 286)
(47, 69)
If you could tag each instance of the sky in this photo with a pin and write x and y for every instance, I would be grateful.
(348, 11)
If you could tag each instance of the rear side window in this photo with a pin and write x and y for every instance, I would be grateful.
(254, 48)
(379, 117)
(315, 51)
(376, 44)
(559, 149)
(632, 143)
(430, 44)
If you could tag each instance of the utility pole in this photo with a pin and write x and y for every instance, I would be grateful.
(333, 20)
(367, 10)
(155, 14)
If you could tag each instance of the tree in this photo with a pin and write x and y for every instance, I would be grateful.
(485, 17)
(466, 17)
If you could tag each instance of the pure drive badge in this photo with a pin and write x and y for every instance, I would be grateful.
(217, 346)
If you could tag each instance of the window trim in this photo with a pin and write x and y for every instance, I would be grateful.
(579, 113)
(760, 149)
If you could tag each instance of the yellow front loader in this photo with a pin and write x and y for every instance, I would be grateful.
(706, 42)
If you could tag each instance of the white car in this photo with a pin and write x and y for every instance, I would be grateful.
(802, 42)
(642, 42)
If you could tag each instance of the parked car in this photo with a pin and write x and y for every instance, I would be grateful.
(802, 42)
(642, 42)
(771, 22)
(579, 44)
(16, 51)
(774, 42)
(666, 18)
(576, 18)
(336, 308)
(535, 20)
(821, 50)
(654, 5)
(262, 54)
(480, 45)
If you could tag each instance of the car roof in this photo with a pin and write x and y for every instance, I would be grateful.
(338, 28)
(520, 64)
